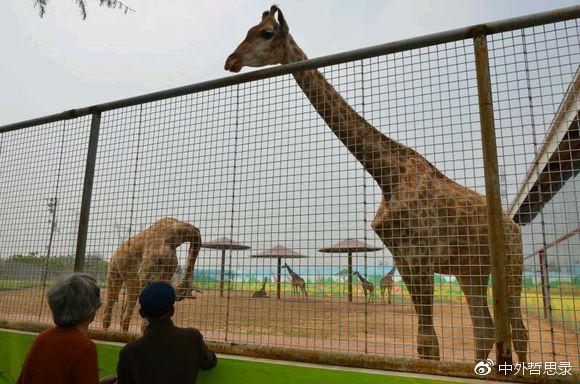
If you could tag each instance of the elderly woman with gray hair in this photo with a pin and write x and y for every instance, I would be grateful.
(64, 354)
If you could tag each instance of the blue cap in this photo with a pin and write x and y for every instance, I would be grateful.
(157, 299)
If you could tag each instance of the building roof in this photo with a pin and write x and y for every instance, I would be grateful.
(558, 159)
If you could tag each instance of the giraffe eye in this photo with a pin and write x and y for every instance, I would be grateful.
(266, 35)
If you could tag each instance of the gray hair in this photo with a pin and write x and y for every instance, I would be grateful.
(74, 299)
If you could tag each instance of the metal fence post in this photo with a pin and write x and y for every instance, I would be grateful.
(494, 211)
(87, 193)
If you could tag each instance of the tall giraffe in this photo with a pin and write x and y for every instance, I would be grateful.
(368, 287)
(430, 223)
(387, 283)
(297, 281)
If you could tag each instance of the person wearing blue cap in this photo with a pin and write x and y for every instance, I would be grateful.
(165, 353)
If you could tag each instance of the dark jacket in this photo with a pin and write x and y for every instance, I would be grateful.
(164, 354)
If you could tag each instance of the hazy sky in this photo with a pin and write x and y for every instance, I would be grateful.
(61, 62)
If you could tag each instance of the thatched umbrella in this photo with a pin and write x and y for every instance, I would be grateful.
(279, 253)
(349, 246)
(224, 244)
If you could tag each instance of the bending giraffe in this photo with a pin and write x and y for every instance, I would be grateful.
(261, 293)
(387, 284)
(430, 223)
(368, 287)
(147, 257)
(298, 283)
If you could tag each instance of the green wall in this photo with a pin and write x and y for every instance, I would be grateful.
(13, 348)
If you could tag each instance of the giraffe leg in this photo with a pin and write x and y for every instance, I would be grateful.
(389, 290)
(475, 290)
(114, 283)
(420, 283)
(133, 290)
(519, 331)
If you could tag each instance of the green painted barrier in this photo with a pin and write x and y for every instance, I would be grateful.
(13, 348)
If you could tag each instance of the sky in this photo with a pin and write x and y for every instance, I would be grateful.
(178, 159)
(61, 62)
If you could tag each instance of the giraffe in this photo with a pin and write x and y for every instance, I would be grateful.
(298, 283)
(430, 223)
(368, 287)
(147, 257)
(387, 283)
(260, 293)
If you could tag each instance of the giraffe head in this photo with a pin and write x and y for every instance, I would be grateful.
(266, 43)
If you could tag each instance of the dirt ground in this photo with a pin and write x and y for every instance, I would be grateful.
(325, 324)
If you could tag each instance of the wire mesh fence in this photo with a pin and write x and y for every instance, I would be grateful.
(536, 84)
(302, 246)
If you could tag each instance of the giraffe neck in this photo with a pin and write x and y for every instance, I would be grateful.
(382, 157)
(292, 273)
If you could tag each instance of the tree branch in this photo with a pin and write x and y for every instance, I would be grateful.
(42, 4)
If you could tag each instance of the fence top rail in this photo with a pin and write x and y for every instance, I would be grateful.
(552, 16)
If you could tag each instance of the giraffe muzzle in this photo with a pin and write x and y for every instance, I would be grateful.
(233, 63)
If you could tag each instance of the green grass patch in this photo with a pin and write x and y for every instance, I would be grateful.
(565, 306)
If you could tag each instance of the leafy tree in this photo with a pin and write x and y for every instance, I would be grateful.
(42, 4)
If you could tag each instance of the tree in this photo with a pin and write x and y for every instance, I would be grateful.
(42, 4)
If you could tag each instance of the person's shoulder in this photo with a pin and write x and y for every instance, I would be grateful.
(47, 333)
(81, 339)
(131, 345)
(70, 339)
(66, 335)
(189, 332)
(44, 339)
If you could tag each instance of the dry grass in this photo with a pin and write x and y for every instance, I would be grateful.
(323, 323)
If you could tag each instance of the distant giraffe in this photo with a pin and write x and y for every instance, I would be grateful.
(260, 293)
(368, 287)
(387, 283)
(297, 282)
(147, 257)
(430, 223)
